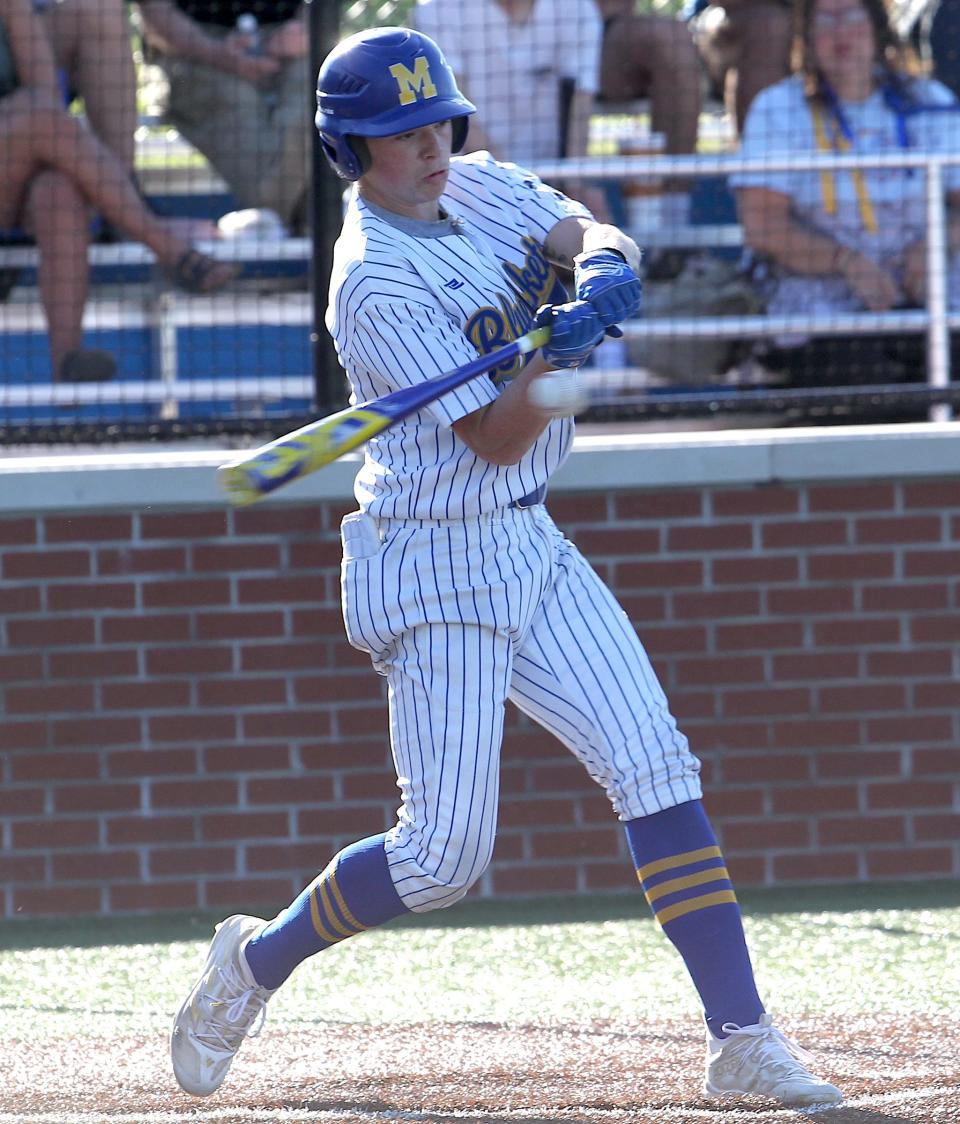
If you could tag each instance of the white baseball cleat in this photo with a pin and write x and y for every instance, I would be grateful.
(224, 1007)
(759, 1060)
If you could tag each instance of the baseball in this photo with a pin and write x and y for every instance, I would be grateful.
(558, 393)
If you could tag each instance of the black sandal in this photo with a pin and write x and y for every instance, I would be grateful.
(90, 364)
(198, 273)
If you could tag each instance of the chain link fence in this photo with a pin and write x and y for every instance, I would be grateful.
(168, 228)
(157, 272)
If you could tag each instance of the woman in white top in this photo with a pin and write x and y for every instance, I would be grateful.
(840, 241)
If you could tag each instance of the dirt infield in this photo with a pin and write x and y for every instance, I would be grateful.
(893, 1070)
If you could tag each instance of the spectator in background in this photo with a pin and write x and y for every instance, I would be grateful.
(847, 241)
(943, 42)
(91, 46)
(54, 170)
(239, 98)
(744, 45)
(531, 68)
(648, 56)
(91, 42)
(933, 27)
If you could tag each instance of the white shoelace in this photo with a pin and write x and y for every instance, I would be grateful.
(229, 1022)
(766, 1046)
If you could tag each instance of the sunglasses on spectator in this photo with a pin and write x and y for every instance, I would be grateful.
(848, 17)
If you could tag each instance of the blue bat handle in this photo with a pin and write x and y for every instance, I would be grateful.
(400, 403)
(317, 444)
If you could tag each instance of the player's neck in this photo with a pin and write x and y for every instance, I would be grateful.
(428, 211)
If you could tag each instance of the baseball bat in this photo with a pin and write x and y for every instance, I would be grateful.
(297, 454)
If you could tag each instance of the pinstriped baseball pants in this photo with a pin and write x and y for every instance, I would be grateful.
(461, 615)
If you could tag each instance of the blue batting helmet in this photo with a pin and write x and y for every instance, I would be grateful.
(381, 82)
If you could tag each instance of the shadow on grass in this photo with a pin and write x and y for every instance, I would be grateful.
(87, 932)
(607, 1110)
(387, 1111)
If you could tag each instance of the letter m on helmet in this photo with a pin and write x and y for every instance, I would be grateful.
(417, 82)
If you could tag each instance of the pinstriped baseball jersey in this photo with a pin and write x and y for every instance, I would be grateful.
(410, 300)
(462, 598)
(459, 585)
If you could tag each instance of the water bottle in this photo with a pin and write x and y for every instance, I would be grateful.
(247, 25)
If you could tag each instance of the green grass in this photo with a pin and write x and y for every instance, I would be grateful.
(842, 949)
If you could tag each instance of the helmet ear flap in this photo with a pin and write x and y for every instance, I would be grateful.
(461, 126)
(349, 156)
(360, 151)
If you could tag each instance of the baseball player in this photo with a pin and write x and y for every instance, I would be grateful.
(458, 583)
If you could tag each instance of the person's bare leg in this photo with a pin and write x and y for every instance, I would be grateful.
(17, 154)
(762, 32)
(655, 56)
(91, 41)
(58, 218)
(64, 143)
(55, 139)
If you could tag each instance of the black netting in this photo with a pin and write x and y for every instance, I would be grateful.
(166, 236)
(156, 225)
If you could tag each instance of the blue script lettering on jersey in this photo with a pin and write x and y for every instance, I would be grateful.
(534, 283)
(536, 276)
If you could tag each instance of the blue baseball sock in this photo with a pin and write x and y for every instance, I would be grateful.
(354, 893)
(684, 877)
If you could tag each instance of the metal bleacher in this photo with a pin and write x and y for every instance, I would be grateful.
(246, 353)
(934, 323)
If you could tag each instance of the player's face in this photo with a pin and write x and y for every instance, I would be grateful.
(408, 172)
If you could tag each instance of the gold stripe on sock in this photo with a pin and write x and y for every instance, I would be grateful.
(715, 874)
(324, 888)
(315, 917)
(351, 920)
(705, 901)
(673, 861)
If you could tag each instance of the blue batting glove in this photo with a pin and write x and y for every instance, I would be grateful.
(575, 330)
(604, 279)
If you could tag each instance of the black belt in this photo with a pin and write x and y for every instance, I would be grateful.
(538, 495)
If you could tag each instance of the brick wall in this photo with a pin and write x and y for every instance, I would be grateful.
(184, 724)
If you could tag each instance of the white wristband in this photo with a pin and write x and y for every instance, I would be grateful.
(602, 236)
